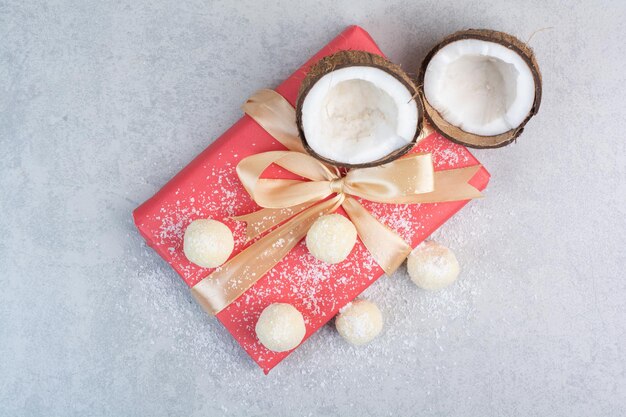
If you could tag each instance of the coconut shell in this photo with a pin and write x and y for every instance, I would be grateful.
(345, 59)
(458, 135)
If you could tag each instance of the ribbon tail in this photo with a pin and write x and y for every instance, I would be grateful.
(265, 219)
(232, 279)
(276, 115)
(388, 249)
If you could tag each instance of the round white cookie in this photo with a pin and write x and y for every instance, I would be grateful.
(280, 327)
(331, 238)
(208, 243)
(359, 322)
(432, 266)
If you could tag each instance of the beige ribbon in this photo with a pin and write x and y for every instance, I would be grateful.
(291, 206)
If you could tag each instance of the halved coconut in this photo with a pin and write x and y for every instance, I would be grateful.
(356, 109)
(480, 87)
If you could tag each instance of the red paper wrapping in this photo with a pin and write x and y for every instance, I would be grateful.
(209, 188)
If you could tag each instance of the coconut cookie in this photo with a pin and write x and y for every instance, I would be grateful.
(331, 238)
(480, 87)
(432, 266)
(357, 109)
(208, 243)
(280, 327)
(359, 322)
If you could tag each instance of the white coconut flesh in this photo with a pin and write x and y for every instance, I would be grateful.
(358, 114)
(481, 87)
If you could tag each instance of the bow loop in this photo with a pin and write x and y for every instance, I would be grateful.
(288, 193)
(393, 182)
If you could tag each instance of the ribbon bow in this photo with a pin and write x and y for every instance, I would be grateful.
(295, 204)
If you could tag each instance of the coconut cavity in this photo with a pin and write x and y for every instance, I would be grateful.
(480, 87)
(355, 109)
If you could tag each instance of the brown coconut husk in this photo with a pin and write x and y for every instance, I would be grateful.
(458, 135)
(345, 59)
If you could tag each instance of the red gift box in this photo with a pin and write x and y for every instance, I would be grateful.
(209, 188)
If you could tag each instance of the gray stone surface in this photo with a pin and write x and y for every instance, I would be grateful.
(101, 102)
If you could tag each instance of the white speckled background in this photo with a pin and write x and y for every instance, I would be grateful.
(101, 102)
